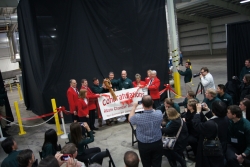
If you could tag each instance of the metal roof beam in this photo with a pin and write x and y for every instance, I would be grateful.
(193, 18)
(230, 6)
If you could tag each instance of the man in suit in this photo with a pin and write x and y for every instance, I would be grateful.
(153, 87)
(72, 95)
(124, 83)
(92, 103)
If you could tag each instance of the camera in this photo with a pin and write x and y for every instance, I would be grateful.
(139, 102)
(65, 157)
(196, 75)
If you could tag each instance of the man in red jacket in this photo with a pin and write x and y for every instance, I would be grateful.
(72, 95)
(153, 87)
(91, 105)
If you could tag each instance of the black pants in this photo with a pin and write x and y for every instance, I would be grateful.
(156, 103)
(92, 119)
(193, 142)
(174, 156)
(84, 119)
(150, 153)
(88, 153)
(231, 157)
(74, 117)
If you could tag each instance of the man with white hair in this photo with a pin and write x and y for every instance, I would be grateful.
(153, 87)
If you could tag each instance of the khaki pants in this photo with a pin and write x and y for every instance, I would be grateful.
(3, 113)
(188, 86)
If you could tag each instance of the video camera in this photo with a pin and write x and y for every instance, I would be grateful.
(196, 75)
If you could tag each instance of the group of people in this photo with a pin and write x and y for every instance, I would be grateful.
(83, 104)
(73, 154)
(217, 117)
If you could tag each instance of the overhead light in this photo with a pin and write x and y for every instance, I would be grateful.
(245, 1)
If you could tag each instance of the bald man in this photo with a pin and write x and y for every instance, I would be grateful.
(124, 83)
(72, 95)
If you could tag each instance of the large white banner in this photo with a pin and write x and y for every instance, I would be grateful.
(111, 108)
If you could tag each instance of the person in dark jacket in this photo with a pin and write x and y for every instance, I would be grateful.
(245, 70)
(187, 76)
(211, 96)
(75, 136)
(238, 136)
(190, 95)
(244, 87)
(226, 98)
(50, 146)
(168, 103)
(188, 117)
(208, 130)
(171, 130)
(245, 108)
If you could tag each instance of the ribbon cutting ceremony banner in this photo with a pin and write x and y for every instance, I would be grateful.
(124, 103)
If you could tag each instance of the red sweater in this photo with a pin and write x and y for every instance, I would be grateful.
(83, 109)
(142, 83)
(92, 98)
(154, 88)
(72, 99)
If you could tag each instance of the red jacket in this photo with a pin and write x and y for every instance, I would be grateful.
(92, 98)
(154, 88)
(142, 83)
(72, 99)
(147, 80)
(83, 109)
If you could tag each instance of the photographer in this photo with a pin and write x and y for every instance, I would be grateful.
(207, 79)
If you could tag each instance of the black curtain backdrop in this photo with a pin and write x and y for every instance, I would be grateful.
(238, 47)
(65, 39)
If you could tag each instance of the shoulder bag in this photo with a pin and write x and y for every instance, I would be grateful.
(169, 142)
(212, 147)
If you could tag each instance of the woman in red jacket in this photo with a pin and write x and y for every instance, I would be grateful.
(138, 82)
(83, 110)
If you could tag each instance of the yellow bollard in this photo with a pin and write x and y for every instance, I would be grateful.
(177, 84)
(22, 132)
(58, 127)
(19, 92)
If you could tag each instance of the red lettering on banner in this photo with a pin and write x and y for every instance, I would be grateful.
(108, 110)
(108, 101)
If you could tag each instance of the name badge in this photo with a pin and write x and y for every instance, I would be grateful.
(123, 88)
(126, 82)
(225, 99)
(234, 140)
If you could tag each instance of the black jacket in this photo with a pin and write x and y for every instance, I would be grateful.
(171, 131)
(208, 130)
(189, 117)
(244, 90)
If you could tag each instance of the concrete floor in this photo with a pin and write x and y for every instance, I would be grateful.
(118, 137)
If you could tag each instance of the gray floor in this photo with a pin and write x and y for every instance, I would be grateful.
(118, 137)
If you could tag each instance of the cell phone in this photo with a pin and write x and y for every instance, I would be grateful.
(139, 102)
(65, 157)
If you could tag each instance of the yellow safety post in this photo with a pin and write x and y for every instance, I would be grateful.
(22, 132)
(19, 92)
(177, 84)
(58, 127)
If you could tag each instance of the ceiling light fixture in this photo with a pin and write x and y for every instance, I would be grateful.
(245, 1)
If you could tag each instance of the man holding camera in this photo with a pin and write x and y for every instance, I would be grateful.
(207, 79)
(187, 76)
(148, 132)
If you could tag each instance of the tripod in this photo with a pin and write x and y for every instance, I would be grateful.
(201, 87)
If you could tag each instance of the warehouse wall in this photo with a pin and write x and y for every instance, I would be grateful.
(194, 37)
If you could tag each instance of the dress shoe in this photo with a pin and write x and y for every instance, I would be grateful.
(100, 125)
(126, 121)
(115, 122)
(95, 128)
(93, 132)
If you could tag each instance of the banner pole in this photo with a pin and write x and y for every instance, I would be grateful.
(1, 133)
(58, 128)
(22, 132)
(19, 92)
(64, 136)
